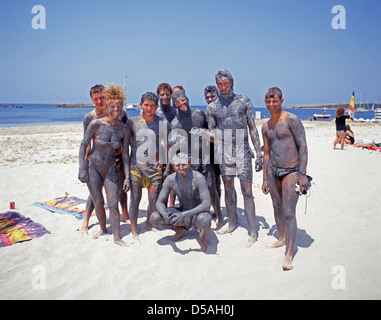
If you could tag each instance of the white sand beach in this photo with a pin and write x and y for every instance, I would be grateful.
(337, 247)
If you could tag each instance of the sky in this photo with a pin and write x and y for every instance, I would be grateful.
(290, 44)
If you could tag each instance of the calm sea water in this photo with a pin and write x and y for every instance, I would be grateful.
(37, 114)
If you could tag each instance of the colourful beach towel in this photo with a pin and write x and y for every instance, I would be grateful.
(16, 228)
(65, 205)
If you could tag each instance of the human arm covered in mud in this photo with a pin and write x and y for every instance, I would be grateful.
(254, 136)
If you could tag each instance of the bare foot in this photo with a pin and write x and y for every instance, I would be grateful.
(150, 227)
(125, 217)
(135, 236)
(276, 244)
(203, 245)
(100, 233)
(219, 224)
(121, 243)
(251, 241)
(179, 234)
(287, 264)
(227, 230)
(84, 229)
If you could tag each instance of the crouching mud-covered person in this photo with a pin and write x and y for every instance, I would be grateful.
(192, 191)
(108, 134)
(192, 123)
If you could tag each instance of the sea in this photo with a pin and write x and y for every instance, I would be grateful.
(49, 114)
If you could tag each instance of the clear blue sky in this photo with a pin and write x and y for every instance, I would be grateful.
(286, 43)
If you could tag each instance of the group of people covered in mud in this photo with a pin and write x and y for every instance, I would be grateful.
(182, 153)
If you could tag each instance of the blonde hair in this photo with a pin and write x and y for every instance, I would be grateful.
(114, 92)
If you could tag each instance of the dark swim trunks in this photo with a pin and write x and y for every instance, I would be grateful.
(279, 173)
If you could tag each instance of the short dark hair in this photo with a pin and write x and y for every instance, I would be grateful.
(149, 96)
(180, 158)
(211, 90)
(224, 74)
(162, 86)
(272, 92)
(97, 88)
(176, 95)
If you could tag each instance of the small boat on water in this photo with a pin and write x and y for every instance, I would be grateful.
(321, 116)
(132, 106)
(10, 106)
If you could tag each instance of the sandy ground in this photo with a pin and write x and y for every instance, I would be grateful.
(337, 251)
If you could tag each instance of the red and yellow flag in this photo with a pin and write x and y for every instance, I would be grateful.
(352, 104)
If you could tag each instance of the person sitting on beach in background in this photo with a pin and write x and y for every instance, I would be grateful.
(368, 145)
(192, 190)
(191, 122)
(349, 135)
(341, 116)
(284, 166)
(96, 94)
(99, 168)
(233, 115)
(148, 150)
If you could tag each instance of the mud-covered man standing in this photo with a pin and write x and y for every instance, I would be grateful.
(231, 117)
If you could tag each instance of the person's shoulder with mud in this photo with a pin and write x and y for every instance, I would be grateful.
(90, 116)
(212, 107)
(290, 117)
(242, 98)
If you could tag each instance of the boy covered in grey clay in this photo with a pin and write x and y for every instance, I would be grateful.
(231, 117)
(192, 190)
(148, 152)
(165, 110)
(284, 165)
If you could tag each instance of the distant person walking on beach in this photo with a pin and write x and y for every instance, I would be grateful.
(341, 116)
(98, 169)
(96, 94)
(284, 166)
